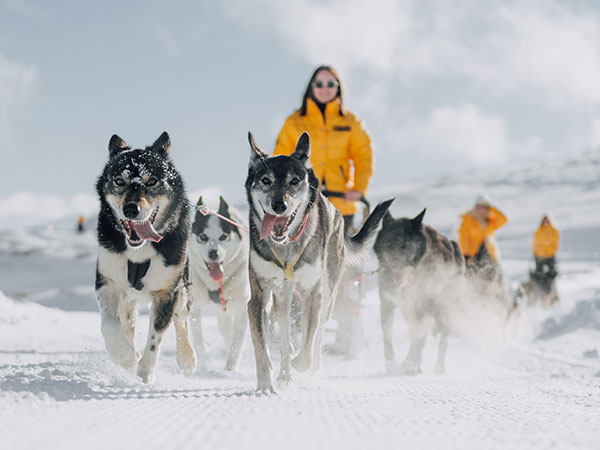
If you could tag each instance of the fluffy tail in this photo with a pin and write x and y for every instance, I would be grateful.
(358, 244)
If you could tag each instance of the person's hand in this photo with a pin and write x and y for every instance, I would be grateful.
(353, 196)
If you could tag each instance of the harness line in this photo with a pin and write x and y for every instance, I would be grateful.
(223, 303)
(205, 210)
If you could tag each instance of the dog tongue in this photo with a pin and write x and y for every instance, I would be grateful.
(215, 270)
(269, 222)
(145, 230)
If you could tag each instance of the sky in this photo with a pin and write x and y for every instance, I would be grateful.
(443, 87)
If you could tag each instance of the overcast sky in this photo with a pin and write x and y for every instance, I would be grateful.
(442, 86)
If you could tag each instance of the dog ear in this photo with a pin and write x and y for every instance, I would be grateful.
(223, 207)
(302, 152)
(116, 145)
(387, 218)
(257, 154)
(163, 143)
(418, 221)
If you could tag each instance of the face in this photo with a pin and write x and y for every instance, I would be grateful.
(214, 241)
(279, 188)
(325, 93)
(483, 209)
(135, 190)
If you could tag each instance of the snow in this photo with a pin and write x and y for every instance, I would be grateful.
(536, 385)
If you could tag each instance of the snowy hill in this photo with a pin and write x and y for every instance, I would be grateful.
(538, 386)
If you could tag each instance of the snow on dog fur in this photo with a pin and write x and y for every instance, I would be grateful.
(143, 229)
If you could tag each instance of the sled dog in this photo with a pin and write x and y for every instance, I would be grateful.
(219, 269)
(143, 229)
(297, 247)
(422, 272)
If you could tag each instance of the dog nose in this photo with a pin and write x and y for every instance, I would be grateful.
(131, 210)
(279, 206)
(213, 254)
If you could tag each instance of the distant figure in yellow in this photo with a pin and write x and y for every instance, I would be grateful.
(545, 246)
(478, 227)
(80, 224)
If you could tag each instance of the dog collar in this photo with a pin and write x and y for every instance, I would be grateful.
(302, 228)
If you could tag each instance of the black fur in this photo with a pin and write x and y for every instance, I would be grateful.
(200, 220)
(135, 273)
(164, 312)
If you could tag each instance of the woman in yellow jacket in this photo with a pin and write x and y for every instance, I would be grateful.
(478, 227)
(341, 151)
(545, 245)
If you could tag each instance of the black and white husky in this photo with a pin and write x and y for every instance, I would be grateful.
(297, 246)
(219, 268)
(143, 229)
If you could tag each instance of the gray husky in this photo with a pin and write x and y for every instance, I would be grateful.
(422, 272)
(219, 267)
(143, 229)
(297, 246)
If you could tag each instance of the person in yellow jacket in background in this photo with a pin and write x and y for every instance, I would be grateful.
(478, 227)
(341, 151)
(545, 246)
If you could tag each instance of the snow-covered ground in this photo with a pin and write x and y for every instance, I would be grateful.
(535, 386)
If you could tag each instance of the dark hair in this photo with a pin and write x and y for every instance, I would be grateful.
(309, 89)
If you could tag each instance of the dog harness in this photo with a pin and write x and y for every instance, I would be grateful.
(135, 273)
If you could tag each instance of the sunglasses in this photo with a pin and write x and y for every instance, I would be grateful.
(329, 84)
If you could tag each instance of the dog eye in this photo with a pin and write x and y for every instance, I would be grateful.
(295, 181)
(203, 237)
(223, 237)
(266, 181)
(119, 181)
(151, 182)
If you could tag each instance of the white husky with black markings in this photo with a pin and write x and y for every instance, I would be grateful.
(297, 247)
(219, 268)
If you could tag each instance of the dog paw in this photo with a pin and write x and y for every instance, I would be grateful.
(413, 371)
(439, 369)
(230, 366)
(265, 388)
(301, 363)
(392, 367)
(146, 374)
(284, 379)
(186, 360)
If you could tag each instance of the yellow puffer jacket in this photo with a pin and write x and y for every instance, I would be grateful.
(472, 233)
(341, 153)
(545, 241)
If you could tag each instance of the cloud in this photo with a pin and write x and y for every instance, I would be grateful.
(508, 47)
(462, 132)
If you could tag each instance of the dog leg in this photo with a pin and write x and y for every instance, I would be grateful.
(161, 314)
(256, 316)
(386, 310)
(200, 345)
(440, 364)
(238, 330)
(311, 316)
(418, 328)
(186, 357)
(282, 305)
(119, 345)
